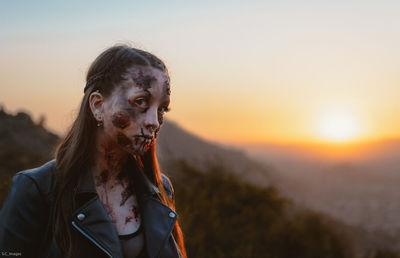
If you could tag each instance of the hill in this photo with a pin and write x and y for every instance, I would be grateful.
(23, 144)
(175, 143)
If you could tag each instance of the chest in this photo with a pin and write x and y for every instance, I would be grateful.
(121, 205)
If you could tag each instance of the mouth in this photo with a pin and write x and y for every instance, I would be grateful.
(144, 142)
(138, 144)
(144, 138)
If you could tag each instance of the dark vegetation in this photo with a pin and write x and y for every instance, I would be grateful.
(221, 215)
(224, 217)
(23, 144)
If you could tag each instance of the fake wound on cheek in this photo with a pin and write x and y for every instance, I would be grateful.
(121, 119)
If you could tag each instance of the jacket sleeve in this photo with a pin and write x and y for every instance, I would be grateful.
(22, 217)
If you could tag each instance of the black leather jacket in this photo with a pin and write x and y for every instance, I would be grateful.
(25, 218)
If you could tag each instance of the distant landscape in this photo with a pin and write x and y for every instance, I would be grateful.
(254, 201)
(362, 190)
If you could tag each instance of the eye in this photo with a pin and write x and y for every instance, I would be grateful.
(141, 102)
(164, 110)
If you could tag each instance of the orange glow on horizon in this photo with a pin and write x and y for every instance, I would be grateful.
(355, 150)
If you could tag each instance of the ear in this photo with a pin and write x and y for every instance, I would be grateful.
(96, 101)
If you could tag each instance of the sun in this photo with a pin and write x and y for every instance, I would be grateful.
(338, 126)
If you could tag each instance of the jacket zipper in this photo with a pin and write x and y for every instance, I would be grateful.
(91, 239)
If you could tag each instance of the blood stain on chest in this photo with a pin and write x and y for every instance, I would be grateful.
(135, 212)
(125, 195)
(128, 219)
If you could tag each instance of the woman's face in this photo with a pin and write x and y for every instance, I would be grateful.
(133, 113)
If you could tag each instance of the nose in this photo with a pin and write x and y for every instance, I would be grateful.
(152, 120)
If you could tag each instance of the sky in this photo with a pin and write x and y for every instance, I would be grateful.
(254, 71)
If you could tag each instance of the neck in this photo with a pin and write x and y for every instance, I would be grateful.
(108, 161)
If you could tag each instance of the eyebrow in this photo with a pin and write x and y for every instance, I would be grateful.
(165, 100)
(142, 92)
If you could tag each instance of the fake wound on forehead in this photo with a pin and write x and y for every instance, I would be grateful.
(143, 81)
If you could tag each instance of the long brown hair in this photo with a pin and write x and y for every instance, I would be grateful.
(76, 150)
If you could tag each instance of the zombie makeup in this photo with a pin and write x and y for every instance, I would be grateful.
(128, 219)
(143, 81)
(102, 178)
(110, 163)
(167, 87)
(121, 119)
(124, 141)
(142, 95)
(125, 194)
(135, 211)
(128, 114)
(107, 206)
(108, 157)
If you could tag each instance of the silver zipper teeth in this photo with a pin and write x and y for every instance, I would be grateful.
(90, 238)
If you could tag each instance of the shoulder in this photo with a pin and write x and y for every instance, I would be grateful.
(169, 189)
(25, 211)
(40, 173)
(41, 178)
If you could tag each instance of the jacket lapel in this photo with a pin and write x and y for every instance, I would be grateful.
(92, 220)
(97, 227)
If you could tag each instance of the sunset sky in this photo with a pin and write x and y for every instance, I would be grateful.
(241, 71)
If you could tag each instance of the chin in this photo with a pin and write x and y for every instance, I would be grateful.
(138, 151)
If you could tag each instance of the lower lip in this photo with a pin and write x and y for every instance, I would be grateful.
(143, 140)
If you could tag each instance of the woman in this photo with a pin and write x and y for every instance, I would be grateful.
(104, 194)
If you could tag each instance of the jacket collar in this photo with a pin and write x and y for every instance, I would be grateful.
(158, 219)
